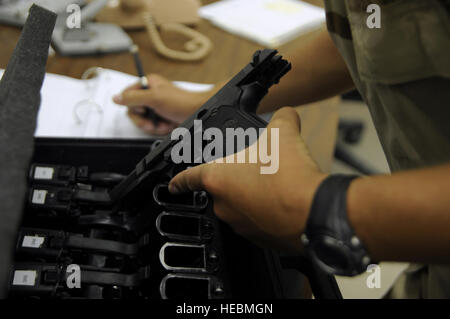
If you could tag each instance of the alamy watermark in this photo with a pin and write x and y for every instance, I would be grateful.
(374, 279)
(191, 150)
(374, 19)
(73, 279)
(73, 20)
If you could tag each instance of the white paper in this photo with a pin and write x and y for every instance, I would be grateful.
(84, 108)
(268, 22)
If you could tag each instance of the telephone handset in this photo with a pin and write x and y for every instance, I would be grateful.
(164, 15)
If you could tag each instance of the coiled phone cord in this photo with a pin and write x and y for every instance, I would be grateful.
(196, 49)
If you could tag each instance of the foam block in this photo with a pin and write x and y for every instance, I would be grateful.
(19, 103)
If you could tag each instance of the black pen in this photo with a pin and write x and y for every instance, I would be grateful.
(148, 112)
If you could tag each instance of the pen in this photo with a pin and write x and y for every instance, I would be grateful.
(143, 80)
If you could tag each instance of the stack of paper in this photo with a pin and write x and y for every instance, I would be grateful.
(268, 22)
(84, 108)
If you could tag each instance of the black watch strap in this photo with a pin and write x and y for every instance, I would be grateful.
(329, 239)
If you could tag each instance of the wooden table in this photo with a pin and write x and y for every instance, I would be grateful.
(229, 55)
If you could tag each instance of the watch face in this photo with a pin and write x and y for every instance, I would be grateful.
(330, 254)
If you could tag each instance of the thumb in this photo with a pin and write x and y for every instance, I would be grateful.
(191, 179)
(287, 120)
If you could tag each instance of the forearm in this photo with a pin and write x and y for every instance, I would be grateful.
(405, 216)
(318, 72)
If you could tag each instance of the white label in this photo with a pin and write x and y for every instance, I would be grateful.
(33, 241)
(24, 278)
(39, 196)
(44, 172)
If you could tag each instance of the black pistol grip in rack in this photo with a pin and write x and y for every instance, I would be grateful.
(49, 278)
(48, 242)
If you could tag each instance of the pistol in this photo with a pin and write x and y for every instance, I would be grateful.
(233, 106)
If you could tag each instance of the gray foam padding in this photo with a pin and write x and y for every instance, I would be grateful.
(19, 104)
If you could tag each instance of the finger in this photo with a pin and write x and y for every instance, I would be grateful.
(135, 86)
(153, 80)
(163, 127)
(191, 179)
(118, 97)
(138, 120)
(239, 222)
(244, 225)
(286, 119)
(137, 97)
(285, 126)
(224, 212)
(147, 113)
(143, 112)
(288, 122)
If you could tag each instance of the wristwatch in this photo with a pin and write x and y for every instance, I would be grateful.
(329, 240)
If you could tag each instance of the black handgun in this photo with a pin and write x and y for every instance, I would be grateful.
(234, 106)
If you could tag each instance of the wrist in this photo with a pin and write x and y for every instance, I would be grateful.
(306, 198)
(304, 201)
(329, 238)
(298, 201)
(358, 214)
